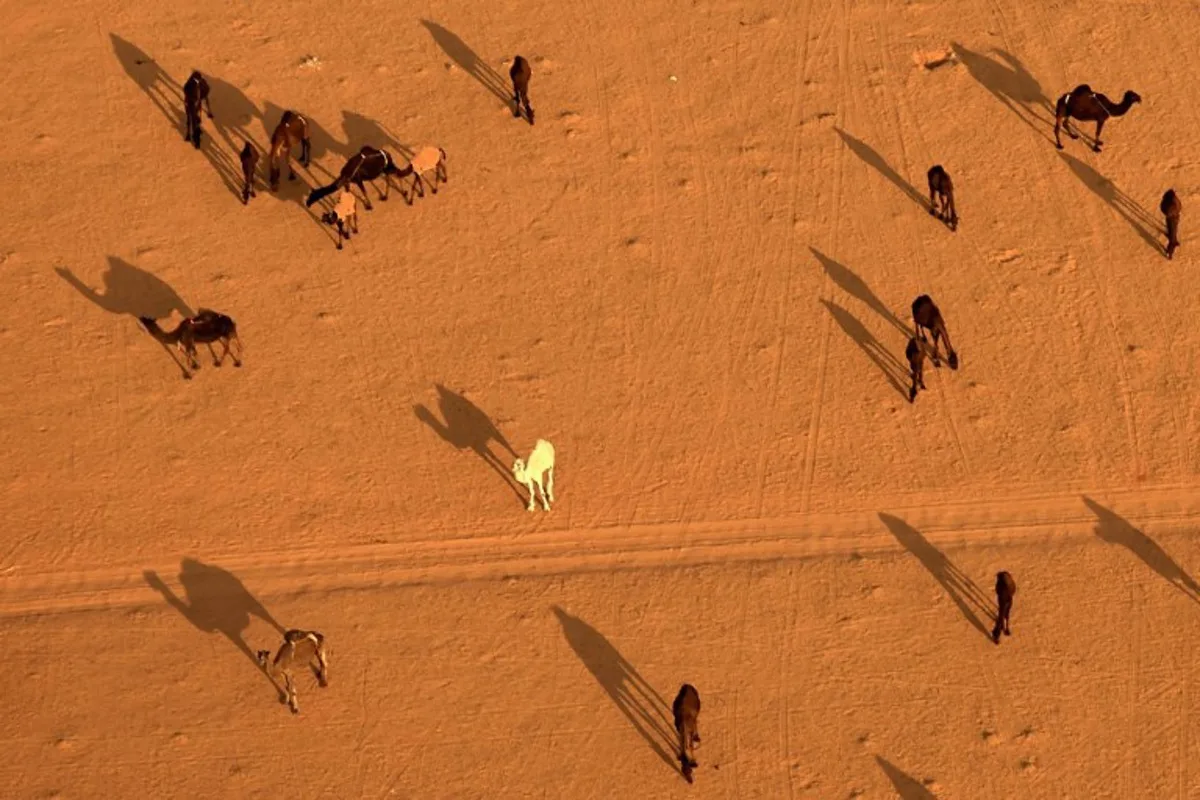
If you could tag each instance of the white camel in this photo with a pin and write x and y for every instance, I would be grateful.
(429, 159)
(541, 460)
(299, 647)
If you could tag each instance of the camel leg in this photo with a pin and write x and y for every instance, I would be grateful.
(340, 235)
(353, 223)
(550, 483)
(323, 666)
(1099, 127)
(545, 502)
(305, 152)
(516, 102)
(292, 699)
(418, 184)
(237, 362)
(208, 107)
(387, 186)
(441, 170)
(532, 496)
(366, 197)
(212, 353)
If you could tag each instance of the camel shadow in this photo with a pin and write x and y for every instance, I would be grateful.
(217, 602)
(167, 95)
(468, 61)
(854, 285)
(1010, 83)
(888, 364)
(1128, 208)
(961, 589)
(130, 290)
(364, 130)
(467, 427)
(1115, 529)
(868, 154)
(637, 700)
(907, 787)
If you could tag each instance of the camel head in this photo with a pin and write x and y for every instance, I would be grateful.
(1131, 97)
(519, 470)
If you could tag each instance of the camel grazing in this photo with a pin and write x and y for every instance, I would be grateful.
(686, 709)
(915, 352)
(195, 92)
(206, 327)
(521, 72)
(1006, 587)
(291, 130)
(343, 216)
(1171, 208)
(299, 647)
(365, 165)
(429, 159)
(926, 316)
(1083, 104)
(940, 186)
(249, 157)
(541, 460)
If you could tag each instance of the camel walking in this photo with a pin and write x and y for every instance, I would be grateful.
(1171, 207)
(299, 647)
(1083, 104)
(195, 93)
(521, 72)
(1006, 587)
(686, 709)
(942, 188)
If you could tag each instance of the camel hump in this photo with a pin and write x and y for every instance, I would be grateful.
(1082, 88)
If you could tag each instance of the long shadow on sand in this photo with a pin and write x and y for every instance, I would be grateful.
(1129, 210)
(1012, 84)
(217, 602)
(871, 157)
(167, 95)
(130, 290)
(467, 427)
(471, 63)
(907, 787)
(857, 287)
(1115, 529)
(637, 700)
(888, 364)
(970, 600)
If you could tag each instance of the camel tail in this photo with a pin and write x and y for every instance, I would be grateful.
(323, 191)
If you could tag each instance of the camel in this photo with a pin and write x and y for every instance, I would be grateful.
(541, 460)
(365, 165)
(926, 316)
(206, 327)
(249, 158)
(521, 72)
(298, 647)
(343, 216)
(940, 186)
(1083, 104)
(429, 159)
(915, 352)
(1171, 208)
(686, 708)
(1006, 587)
(195, 92)
(291, 130)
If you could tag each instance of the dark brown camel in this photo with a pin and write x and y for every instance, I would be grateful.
(195, 92)
(1006, 587)
(1171, 208)
(940, 186)
(927, 317)
(686, 708)
(1083, 104)
(521, 72)
(249, 158)
(365, 165)
(915, 352)
(206, 327)
(291, 130)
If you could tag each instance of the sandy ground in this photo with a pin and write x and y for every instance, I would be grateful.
(699, 290)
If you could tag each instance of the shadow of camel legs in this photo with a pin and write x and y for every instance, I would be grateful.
(907, 787)
(888, 364)
(962, 589)
(467, 427)
(217, 602)
(466, 59)
(130, 290)
(1013, 85)
(1115, 529)
(868, 154)
(641, 705)
(854, 285)
(1129, 210)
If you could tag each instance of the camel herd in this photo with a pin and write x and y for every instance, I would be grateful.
(536, 472)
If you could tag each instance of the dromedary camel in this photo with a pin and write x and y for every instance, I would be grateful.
(291, 130)
(1006, 587)
(541, 460)
(344, 216)
(429, 159)
(195, 92)
(249, 157)
(1083, 104)
(1171, 208)
(927, 317)
(686, 709)
(299, 647)
(915, 352)
(365, 165)
(941, 187)
(521, 72)
(206, 327)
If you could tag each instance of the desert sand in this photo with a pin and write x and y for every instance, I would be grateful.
(692, 275)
